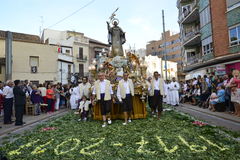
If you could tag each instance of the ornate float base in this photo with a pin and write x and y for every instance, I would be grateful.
(139, 110)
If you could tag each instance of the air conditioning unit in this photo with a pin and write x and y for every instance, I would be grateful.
(33, 69)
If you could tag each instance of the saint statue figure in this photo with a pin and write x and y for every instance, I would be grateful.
(116, 38)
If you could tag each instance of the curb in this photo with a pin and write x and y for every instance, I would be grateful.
(31, 123)
(209, 113)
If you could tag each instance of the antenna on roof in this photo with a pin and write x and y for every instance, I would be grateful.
(41, 26)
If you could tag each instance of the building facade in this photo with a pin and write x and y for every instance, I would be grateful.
(73, 53)
(173, 50)
(30, 59)
(96, 48)
(209, 36)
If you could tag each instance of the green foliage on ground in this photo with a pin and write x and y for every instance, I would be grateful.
(139, 140)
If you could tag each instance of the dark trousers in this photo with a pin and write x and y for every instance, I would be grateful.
(150, 101)
(84, 114)
(19, 110)
(50, 103)
(7, 107)
(127, 103)
(157, 101)
(105, 105)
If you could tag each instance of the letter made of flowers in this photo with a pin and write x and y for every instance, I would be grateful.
(17, 151)
(215, 145)
(141, 147)
(40, 149)
(193, 147)
(165, 147)
(57, 152)
(84, 152)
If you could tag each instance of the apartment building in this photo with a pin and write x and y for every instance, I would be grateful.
(29, 59)
(206, 28)
(173, 50)
(73, 49)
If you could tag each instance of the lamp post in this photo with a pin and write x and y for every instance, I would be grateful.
(164, 39)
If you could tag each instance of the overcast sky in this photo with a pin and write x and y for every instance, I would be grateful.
(140, 19)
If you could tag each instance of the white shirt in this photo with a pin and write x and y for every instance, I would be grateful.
(8, 92)
(1, 91)
(126, 86)
(127, 89)
(156, 84)
(103, 88)
(84, 106)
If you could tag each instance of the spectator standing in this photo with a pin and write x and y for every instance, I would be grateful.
(36, 99)
(235, 96)
(50, 97)
(8, 102)
(20, 102)
(1, 99)
(57, 96)
(43, 91)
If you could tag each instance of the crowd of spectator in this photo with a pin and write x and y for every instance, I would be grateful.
(16, 96)
(218, 93)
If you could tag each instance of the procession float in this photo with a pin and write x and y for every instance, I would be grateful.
(114, 64)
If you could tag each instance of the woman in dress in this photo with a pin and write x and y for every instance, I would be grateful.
(235, 95)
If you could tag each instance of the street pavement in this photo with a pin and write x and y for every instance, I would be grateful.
(222, 119)
(31, 121)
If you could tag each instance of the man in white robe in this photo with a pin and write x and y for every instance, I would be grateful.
(174, 87)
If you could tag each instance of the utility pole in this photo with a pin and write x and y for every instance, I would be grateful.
(8, 55)
(164, 40)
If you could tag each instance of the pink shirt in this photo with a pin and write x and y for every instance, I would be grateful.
(237, 81)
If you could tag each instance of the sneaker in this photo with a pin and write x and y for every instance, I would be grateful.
(129, 120)
(109, 121)
(104, 125)
(85, 119)
(79, 120)
(124, 123)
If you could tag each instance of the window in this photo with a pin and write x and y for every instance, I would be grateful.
(68, 51)
(207, 45)
(81, 70)
(80, 53)
(35, 82)
(34, 61)
(234, 35)
(205, 17)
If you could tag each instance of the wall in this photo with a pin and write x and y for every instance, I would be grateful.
(47, 54)
(219, 27)
(233, 17)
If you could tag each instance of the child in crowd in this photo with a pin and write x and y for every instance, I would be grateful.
(84, 108)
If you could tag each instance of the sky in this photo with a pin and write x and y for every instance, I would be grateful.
(140, 19)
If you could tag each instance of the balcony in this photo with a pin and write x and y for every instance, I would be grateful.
(82, 59)
(192, 38)
(65, 57)
(194, 59)
(190, 13)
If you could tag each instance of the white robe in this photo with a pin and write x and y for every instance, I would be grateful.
(165, 90)
(168, 94)
(174, 88)
(74, 97)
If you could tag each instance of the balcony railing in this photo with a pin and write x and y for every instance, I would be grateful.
(82, 59)
(189, 13)
(194, 59)
(191, 34)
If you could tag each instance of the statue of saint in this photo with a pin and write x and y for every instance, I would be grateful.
(116, 38)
